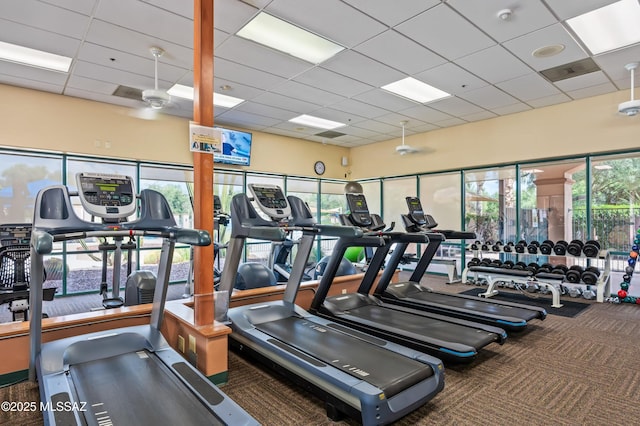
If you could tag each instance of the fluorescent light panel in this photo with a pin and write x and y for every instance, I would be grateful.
(320, 123)
(33, 58)
(609, 27)
(285, 37)
(415, 90)
(186, 92)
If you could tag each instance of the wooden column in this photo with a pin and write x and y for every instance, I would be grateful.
(203, 163)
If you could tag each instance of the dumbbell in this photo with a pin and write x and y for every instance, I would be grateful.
(497, 246)
(496, 263)
(560, 269)
(545, 267)
(532, 248)
(575, 292)
(519, 266)
(485, 262)
(591, 248)
(473, 262)
(532, 267)
(590, 275)
(507, 264)
(486, 246)
(560, 248)
(575, 247)
(546, 247)
(521, 246)
(574, 274)
(508, 248)
(475, 245)
(589, 294)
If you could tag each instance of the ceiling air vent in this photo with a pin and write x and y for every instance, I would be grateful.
(128, 92)
(573, 69)
(330, 134)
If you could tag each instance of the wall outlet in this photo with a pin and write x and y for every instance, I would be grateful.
(181, 344)
(192, 344)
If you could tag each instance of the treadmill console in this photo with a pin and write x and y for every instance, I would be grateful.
(110, 197)
(271, 200)
(15, 234)
(359, 215)
(416, 213)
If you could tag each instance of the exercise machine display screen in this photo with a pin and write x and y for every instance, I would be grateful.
(271, 200)
(107, 196)
(217, 205)
(359, 215)
(415, 210)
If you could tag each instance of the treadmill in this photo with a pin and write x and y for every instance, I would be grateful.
(355, 374)
(508, 315)
(448, 338)
(127, 375)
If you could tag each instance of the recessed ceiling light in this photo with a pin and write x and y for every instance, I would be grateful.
(186, 92)
(609, 27)
(415, 90)
(320, 123)
(33, 58)
(548, 51)
(285, 37)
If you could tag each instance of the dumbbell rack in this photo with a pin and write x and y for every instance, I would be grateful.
(495, 275)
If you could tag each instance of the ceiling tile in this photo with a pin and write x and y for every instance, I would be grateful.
(22, 35)
(527, 87)
(396, 119)
(612, 63)
(254, 55)
(90, 85)
(359, 108)
(523, 47)
(527, 16)
(451, 78)
(455, 106)
(306, 93)
(79, 6)
(549, 100)
(31, 73)
(338, 115)
(590, 91)
(450, 122)
(484, 115)
(389, 13)
(568, 9)
(494, 64)
(333, 82)
(230, 16)
(286, 103)
(361, 68)
(21, 81)
(511, 109)
(331, 19)
(583, 81)
(400, 52)
(424, 113)
(489, 97)
(47, 18)
(236, 115)
(384, 99)
(377, 126)
(110, 75)
(247, 76)
(441, 29)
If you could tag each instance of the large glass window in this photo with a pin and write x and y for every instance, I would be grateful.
(394, 193)
(490, 198)
(21, 177)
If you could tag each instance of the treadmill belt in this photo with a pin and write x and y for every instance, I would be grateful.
(421, 328)
(471, 304)
(388, 371)
(136, 389)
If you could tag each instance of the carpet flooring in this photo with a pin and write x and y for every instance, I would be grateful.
(583, 370)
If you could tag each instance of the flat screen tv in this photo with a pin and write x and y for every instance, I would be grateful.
(236, 148)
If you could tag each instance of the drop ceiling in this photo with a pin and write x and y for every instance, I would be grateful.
(458, 46)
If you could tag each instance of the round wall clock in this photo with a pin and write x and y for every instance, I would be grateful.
(319, 167)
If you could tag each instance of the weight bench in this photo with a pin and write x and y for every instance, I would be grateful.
(496, 275)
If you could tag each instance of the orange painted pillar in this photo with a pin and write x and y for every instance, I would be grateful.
(203, 163)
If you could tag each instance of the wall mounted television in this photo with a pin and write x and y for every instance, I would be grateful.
(236, 148)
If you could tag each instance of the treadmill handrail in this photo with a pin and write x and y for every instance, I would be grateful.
(267, 233)
(43, 241)
(339, 231)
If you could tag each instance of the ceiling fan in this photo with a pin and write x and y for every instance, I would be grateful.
(155, 98)
(404, 149)
(632, 107)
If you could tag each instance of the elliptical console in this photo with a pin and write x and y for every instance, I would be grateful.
(110, 197)
(271, 200)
